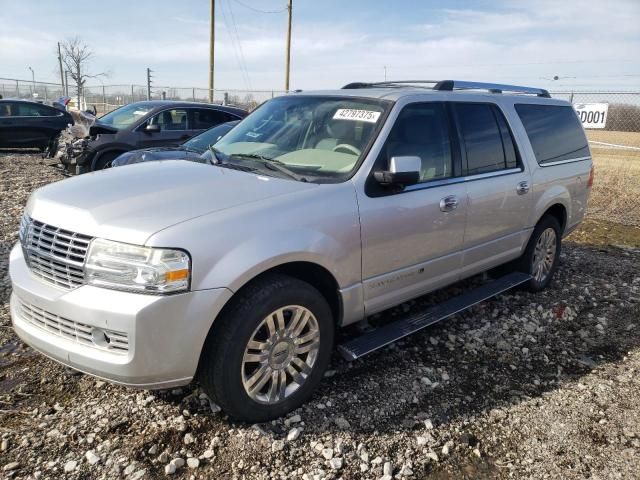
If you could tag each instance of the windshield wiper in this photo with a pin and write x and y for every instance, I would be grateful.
(215, 160)
(271, 164)
(214, 155)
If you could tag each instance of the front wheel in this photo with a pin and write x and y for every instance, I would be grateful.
(268, 351)
(541, 256)
(105, 160)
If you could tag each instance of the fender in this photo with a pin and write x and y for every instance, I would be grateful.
(249, 259)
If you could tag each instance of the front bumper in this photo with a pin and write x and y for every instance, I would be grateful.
(165, 333)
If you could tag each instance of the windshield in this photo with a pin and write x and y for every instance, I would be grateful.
(202, 142)
(318, 138)
(125, 116)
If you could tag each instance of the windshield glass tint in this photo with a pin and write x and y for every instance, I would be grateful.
(125, 116)
(205, 139)
(318, 137)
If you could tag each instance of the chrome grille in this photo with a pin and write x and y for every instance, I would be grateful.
(110, 340)
(54, 254)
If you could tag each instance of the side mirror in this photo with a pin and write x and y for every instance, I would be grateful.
(403, 171)
(154, 128)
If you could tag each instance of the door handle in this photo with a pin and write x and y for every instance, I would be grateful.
(449, 203)
(523, 187)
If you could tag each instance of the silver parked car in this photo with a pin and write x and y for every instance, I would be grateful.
(315, 212)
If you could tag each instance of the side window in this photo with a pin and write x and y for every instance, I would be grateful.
(422, 130)
(554, 131)
(485, 138)
(35, 110)
(204, 118)
(510, 152)
(8, 109)
(174, 119)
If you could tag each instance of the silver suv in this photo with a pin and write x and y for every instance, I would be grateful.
(315, 212)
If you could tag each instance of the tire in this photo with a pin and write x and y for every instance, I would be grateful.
(545, 241)
(104, 161)
(231, 370)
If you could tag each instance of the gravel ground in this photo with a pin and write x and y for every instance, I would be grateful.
(523, 386)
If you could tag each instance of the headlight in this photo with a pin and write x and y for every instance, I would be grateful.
(133, 268)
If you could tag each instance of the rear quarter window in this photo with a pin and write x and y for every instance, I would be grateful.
(554, 131)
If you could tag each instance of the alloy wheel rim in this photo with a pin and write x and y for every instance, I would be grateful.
(280, 354)
(544, 255)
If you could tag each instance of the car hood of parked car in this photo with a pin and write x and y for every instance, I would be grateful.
(158, 153)
(101, 128)
(131, 204)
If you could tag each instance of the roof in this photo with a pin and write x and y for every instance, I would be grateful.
(181, 103)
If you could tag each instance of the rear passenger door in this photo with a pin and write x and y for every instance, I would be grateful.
(497, 187)
(204, 118)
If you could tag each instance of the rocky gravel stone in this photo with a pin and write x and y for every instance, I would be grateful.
(524, 386)
(293, 434)
(70, 466)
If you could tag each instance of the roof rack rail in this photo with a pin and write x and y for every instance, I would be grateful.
(451, 85)
(389, 83)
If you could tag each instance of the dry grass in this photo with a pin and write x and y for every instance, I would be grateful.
(631, 139)
(616, 190)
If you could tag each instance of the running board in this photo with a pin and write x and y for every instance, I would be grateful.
(392, 332)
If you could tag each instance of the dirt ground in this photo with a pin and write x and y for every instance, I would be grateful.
(522, 386)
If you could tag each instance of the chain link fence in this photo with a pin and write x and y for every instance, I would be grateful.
(109, 97)
(615, 145)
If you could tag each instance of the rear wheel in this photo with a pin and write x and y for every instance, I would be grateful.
(540, 258)
(269, 349)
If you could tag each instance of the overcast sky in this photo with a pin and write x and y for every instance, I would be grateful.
(589, 44)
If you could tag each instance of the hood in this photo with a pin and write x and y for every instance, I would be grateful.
(160, 153)
(100, 128)
(130, 204)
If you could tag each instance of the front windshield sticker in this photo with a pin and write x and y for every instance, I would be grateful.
(357, 115)
(139, 112)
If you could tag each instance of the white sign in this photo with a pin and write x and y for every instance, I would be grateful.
(357, 115)
(592, 115)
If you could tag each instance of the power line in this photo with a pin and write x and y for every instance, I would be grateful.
(258, 10)
(235, 28)
(241, 67)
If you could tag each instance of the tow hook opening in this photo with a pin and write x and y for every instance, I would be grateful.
(100, 337)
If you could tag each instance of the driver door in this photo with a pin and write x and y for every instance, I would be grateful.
(174, 129)
(412, 238)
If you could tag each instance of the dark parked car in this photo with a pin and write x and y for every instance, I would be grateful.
(141, 125)
(195, 149)
(29, 124)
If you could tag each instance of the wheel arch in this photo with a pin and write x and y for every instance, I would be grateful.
(313, 273)
(559, 211)
(119, 149)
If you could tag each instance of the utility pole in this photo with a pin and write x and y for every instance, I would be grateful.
(288, 55)
(212, 38)
(62, 84)
(149, 83)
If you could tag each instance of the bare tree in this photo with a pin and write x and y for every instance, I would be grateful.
(76, 56)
